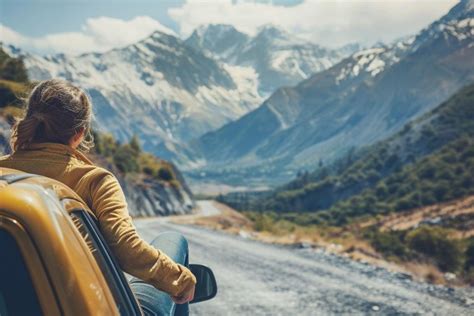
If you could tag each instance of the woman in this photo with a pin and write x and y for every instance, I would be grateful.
(50, 141)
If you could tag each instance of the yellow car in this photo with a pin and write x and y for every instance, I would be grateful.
(53, 258)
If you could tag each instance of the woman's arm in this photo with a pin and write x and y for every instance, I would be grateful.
(134, 255)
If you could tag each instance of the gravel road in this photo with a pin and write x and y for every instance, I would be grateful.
(261, 279)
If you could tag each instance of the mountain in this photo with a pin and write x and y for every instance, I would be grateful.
(219, 40)
(364, 98)
(421, 159)
(279, 58)
(159, 89)
(152, 186)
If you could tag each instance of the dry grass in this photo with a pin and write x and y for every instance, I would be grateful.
(413, 218)
(228, 220)
(424, 272)
(345, 241)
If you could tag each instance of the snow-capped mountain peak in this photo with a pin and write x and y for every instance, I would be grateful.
(216, 30)
(217, 40)
(158, 88)
(456, 25)
(277, 57)
(375, 60)
(273, 32)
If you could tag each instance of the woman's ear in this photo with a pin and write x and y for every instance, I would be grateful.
(77, 138)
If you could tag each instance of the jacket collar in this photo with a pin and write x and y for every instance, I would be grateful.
(60, 149)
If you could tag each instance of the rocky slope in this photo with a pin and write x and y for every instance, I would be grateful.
(155, 199)
(149, 197)
(358, 101)
(146, 197)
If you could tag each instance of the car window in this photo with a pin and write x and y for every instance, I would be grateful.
(17, 294)
(114, 276)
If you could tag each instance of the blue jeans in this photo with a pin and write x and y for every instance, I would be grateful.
(153, 301)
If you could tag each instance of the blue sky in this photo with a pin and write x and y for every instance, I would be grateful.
(42, 17)
(51, 26)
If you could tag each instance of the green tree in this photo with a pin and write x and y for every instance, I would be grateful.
(125, 159)
(135, 144)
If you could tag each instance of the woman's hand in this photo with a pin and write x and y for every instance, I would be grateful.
(187, 296)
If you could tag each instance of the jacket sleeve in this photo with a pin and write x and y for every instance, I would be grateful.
(134, 255)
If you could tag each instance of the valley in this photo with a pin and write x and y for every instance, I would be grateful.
(331, 179)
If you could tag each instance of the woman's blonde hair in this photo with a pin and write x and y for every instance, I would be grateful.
(56, 110)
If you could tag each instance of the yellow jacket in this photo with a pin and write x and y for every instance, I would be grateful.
(101, 191)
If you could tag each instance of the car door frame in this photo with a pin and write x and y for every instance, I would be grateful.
(120, 281)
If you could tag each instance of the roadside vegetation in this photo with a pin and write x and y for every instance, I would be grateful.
(427, 244)
(428, 163)
(427, 251)
(130, 159)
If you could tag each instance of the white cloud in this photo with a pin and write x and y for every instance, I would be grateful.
(97, 35)
(328, 22)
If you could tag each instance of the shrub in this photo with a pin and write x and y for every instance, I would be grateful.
(470, 256)
(390, 244)
(434, 243)
(381, 190)
(125, 159)
(263, 222)
(135, 145)
(148, 170)
(105, 144)
(13, 69)
(165, 173)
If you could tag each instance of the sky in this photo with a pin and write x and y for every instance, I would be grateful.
(78, 26)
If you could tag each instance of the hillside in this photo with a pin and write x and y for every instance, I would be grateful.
(357, 102)
(407, 199)
(436, 134)
(152, 186)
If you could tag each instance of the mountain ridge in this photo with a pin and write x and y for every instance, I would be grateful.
(279, 58)
(360, 100)
(159, 88)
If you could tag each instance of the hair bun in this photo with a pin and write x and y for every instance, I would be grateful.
(41, 117)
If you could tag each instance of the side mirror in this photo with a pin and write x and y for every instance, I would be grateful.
(206, 286)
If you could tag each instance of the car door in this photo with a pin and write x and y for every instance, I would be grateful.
(17, 294)
(24, 284)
